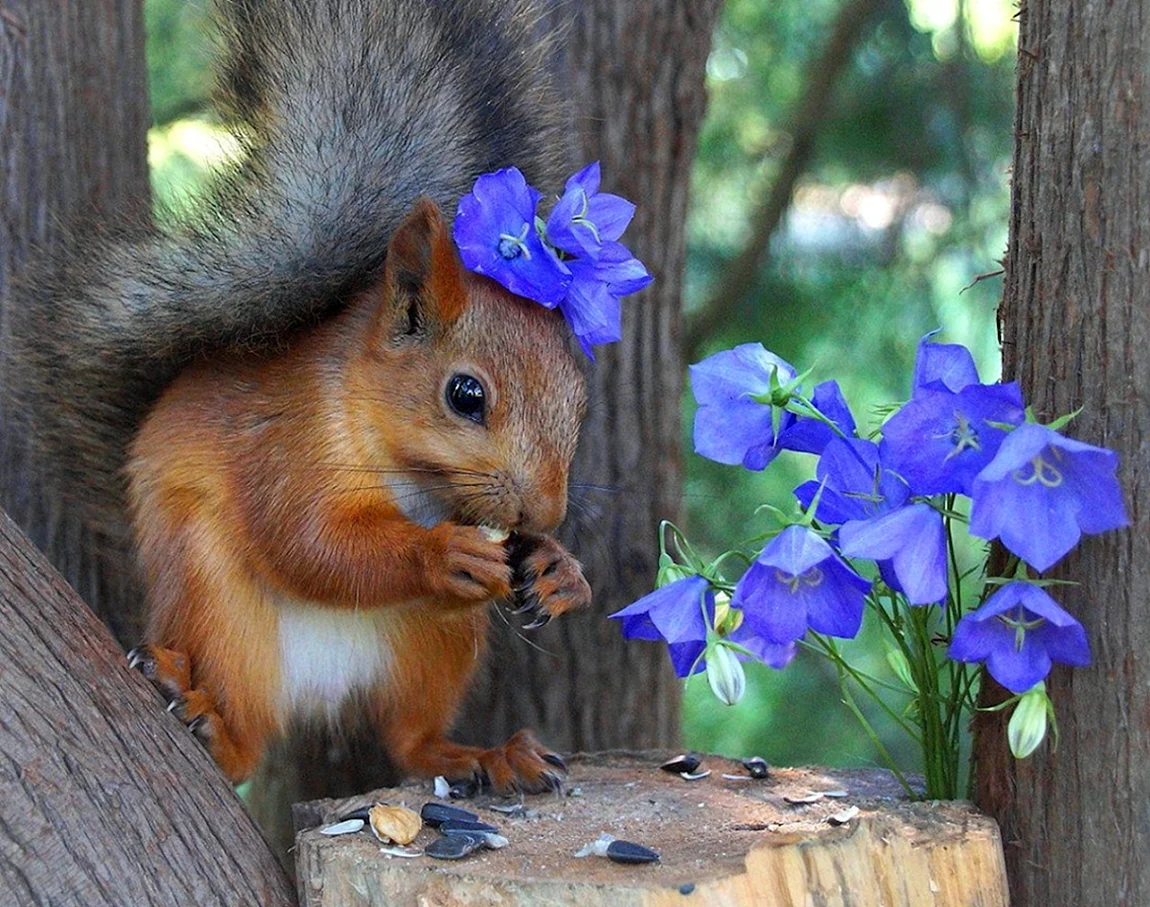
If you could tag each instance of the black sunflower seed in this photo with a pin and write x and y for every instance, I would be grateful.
(688, 762)
(435, 814)
(465, 827)
(629, 852)
(453, 847)
(756, 766)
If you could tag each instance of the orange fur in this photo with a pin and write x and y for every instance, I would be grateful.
(276, 498)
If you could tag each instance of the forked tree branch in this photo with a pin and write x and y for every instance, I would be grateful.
(806, 121)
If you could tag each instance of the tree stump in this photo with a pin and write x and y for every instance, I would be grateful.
(721, 841)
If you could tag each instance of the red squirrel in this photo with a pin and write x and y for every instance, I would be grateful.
(316, 523)
(322, 417)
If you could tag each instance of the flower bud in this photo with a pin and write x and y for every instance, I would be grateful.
(669, 571)
(725, 675)
(1027, 726)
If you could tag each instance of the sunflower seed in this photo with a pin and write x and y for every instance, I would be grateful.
(842, 818)
(360, 813)
(508, 809)
(756, 766)
(629, 852)
(347, 827)
(406, 852)
(453, 847)
(435, 814)
(598, 847)
(804, 799)
(687, 776)
(688, 762)
(465, 827)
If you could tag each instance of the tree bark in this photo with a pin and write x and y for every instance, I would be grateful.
(105, 799)
(635, 81)
(1075, 322)
(73, 154)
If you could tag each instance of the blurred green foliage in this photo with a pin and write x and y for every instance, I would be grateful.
(903, 206)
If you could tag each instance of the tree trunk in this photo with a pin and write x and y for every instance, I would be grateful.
(105, 799)
(635, 83)
(634, 76)
(1075, 323)
(73, 154)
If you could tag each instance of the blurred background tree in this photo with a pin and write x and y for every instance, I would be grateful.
(898, 165)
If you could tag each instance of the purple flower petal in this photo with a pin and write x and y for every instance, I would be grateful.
(939, 441)
(1020, 611)
(673, 611)
(583, 220)
(943, 366)
(775, 655)
(808, 435)
(736, 434)
(798, 581)
(1042, 491)
(685, 655)
(767, 611)
(857, 484)
(736, 374)
(913, 540)
(495, 232)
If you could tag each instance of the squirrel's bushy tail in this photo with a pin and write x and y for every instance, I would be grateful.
(346, 111)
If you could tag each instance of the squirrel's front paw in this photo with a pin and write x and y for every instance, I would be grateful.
(548, 581)
(473, 566)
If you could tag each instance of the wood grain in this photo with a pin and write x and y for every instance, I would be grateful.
(721, 842)
(1075, 323)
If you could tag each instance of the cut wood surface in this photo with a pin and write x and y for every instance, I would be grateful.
(721, 842)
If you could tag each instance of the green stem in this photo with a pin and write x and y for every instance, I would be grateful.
(831, 653)
(850, 703)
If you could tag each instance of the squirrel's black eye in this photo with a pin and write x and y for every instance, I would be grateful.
(465, 395)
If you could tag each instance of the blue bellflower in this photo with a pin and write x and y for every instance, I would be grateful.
(495, 232)
(773, 654)
(877, 520)
(592, 306)
(798, 582)
(857, 485)
(1042, 491)
(584, 219)
(673, 614)
(730, 426)
(909, 545)
(1019, 632)
(941, 439)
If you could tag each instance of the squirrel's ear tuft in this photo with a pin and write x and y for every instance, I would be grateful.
(423, 277)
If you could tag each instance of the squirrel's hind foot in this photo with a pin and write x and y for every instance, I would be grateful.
(170, 673)
(521, 765)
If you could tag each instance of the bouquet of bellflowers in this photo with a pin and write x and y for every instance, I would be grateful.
(877, 533)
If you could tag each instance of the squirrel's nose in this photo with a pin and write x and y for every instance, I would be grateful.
(543, 508)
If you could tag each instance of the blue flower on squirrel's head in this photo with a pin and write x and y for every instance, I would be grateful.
(573, 260)
(496, 235)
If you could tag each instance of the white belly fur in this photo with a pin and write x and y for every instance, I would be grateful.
(328, 653)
